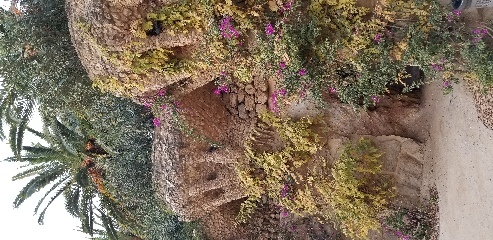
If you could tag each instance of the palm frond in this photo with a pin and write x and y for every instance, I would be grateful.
(72, 197)
(30, 172)
(40, 158)
(39, 149)
(86, 213)
(109, 225)
(5, 103)
(36, 133)
(55, 186)
(40, 181)
(57, 194)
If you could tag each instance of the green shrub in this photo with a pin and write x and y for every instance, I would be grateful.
(358, 192)
(269, 172)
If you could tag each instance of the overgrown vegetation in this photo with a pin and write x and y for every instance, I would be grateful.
(359, 193)
(309, 48)
(49, 78)
(414, 223)
(352, 196)
(274, 173)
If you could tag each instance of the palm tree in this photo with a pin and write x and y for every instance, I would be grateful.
(69, 167)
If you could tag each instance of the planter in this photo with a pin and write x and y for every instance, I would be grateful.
(466, 4)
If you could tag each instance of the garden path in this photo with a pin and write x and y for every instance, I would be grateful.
(460, 163)
(460, 154)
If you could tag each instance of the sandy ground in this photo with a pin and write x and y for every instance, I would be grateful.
(460, 157)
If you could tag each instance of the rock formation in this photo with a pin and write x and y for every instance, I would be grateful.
(193, 177)
(104, 35)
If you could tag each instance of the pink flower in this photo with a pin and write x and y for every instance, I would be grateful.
(177, 104)
(147, 104)
(437, 67)
(269, 29)
(220, 89)
(446, 84)
(284, 191)
(156, 122)
(282, 92)
(286, 6)
(332, 90)
(378, 37)
(227, 29)
(302, 94)
(161, 92)
(476, 31)
(284, 214)
(375, 99)
(484, 31)
(302, 72)
(163, 107)
(273, 100)
(282, 65)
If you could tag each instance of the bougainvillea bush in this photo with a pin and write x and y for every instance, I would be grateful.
(337, 47)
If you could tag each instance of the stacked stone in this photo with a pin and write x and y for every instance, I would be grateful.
(247, 100)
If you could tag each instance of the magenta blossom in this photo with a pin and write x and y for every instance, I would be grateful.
(156, 122)
(269, 29)
(282, 92)
(437, 67)
(286, 7)
(332, 90)
(177, 104)
(227, 29)
(302, 72)
(446, 84)
(161, 92)
(163, 107)
(284, 214)
(147, 104)
(378, 37)
(375, 99)
(220, 89)
(282, 65)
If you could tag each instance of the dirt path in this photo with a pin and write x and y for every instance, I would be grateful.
(460, 156)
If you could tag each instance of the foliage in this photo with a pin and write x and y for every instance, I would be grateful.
(153, 61)
(300, 183)
(177, 17)
(50, 77)
(413, 223)
(407, 223)
(342, 48)
(60, 165)
(276, 168)
(478, 58)
(358, 192)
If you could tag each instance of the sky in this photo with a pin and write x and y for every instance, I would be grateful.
(20, 223)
